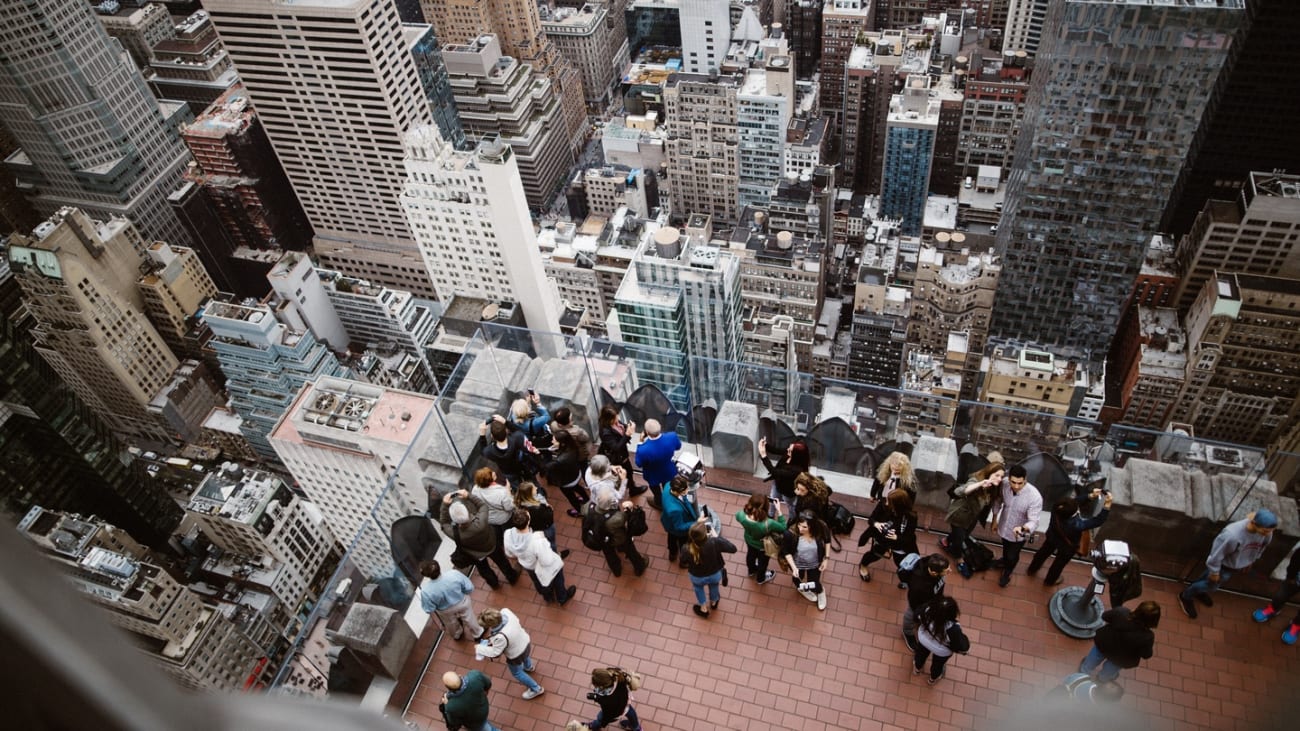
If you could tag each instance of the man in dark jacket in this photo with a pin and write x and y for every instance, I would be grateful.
(464, 517)
(465, 704)
(926, 583)
(1123, 642)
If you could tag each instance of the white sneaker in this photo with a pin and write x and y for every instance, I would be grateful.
(808, 595)
(531, 694)
(821, 601)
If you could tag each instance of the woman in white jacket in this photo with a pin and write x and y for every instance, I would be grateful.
(535, 555)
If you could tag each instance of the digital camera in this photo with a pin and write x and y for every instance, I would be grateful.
(807, 585)
(593, 697)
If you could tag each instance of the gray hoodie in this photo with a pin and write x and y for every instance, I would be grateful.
(1236, 548)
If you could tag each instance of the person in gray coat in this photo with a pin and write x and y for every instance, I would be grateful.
(464, 517)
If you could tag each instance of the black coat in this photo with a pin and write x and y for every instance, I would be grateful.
(1122, 640)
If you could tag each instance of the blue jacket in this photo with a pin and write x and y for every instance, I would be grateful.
(678, 515)
(655, 458)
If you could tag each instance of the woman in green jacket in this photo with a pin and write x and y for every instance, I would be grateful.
(753, 518)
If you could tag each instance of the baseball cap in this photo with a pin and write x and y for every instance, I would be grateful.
(1264, 518)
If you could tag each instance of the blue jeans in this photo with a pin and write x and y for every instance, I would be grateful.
(520, 666)
(1109, 670)
(602, 722)
(1203, 585)
(711, 581)
(485, 727)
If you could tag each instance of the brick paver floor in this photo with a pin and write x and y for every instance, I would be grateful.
(768, 659)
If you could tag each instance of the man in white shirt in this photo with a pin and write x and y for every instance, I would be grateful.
(1016, 511)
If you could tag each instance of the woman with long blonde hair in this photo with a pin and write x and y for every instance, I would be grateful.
(895, 473)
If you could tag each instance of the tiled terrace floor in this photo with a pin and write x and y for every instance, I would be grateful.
(769, 660)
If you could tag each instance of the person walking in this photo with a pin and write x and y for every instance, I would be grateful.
(447, 596)
(785, 470)
(1289, 588)
(608, 485)
(938, 635)
(705, 565)
(465, 704)
(655, 457)
(1237, 547)
(926, 584)
(679, 513)
(1017, 508)
(891, 530)
(464, 517)
(970, 506)
(535, 555)
(753, 518)
(507, 637)
(612, 692)
(803, 547)
(1065, 532)
(1124, 641)
(615, 437)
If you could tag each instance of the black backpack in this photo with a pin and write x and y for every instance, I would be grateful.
(978, 556)
(839, 519)
(636, 522)
(594, 535)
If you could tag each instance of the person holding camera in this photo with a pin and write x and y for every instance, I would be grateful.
(1065, 533)
(465, 704)
(608, 485)
(938, 635)
(753, 518)
(655, 455)
(706, 566)
(803, 547)
(507, 447)
(464, 517)
(611, 690)
(926, 584)
(891, 530)
(785, 470)
(1017, 508)
(970, 506)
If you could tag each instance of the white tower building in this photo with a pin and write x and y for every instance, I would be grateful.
(706, 34)
(303, 294)
(335, 87)
(470, 216)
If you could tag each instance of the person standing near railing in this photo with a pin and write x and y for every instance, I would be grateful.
(655, 457)
(1017, 509)
(969, 507)
(1237, 547)
(785, 470)
(1065, 532)
(615, 438)
(1289, 588)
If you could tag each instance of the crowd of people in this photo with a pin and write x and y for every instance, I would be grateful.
(506, 520)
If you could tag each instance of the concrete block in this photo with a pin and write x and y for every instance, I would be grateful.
(934, 460)
(379, 636)
(735, 437)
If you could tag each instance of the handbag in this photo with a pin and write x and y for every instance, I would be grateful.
(772, 545)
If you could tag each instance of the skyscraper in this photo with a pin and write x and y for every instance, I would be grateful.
(706, 35)
(335, 87)
(79, 278)
(91, 135)
(1116, 100)
(842, 22)
(910, 132)
(58, 453)
(469, 214)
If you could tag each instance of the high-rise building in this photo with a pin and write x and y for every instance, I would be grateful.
(499, 97)
(992, 111)
(280, 539)
(517, 25)
(842, 23)
(582, 36)
(1242, 383)
(58, 453)
(953, 293)
(1023, 32)
(265, 362)
(682, 295)
(193, 642)
(1039, 388)
(910, 133)
(237, 171)
(138, 26)
(803, 25)
(356, 451)
(878, 62)
(427, 52)
(702, 148)
(706, 34)
(304, 302)
(1242, 135)
(173, 290)
(468, 212)
(652, 23)
(878, 328)
(1102, 148)
(91, 134)
(1149, 362)
(782, 275)
(334, 104)
(764, 105)
(79, 278)
(16, 214)
(193, 66)
(384, 322)
(1258, 233)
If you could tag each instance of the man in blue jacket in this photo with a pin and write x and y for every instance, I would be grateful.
(655, 458)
